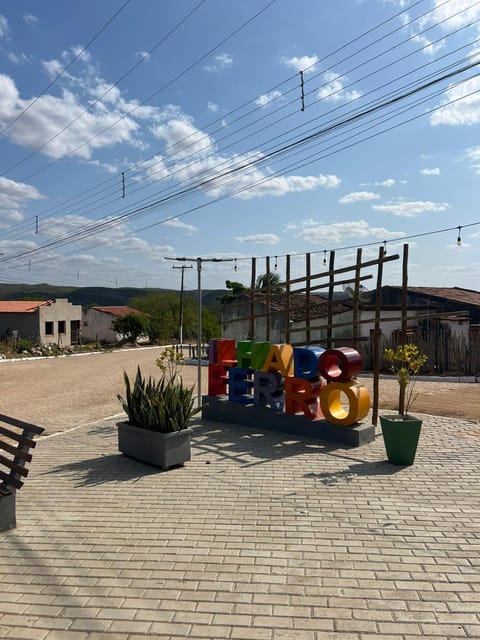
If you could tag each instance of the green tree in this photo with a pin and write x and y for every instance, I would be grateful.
(131, 326)
(237, 289)
(164, 317)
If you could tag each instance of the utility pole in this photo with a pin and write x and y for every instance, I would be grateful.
(199, 262)
(180, 331)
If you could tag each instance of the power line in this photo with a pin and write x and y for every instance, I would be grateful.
(134, 109)
(326, 57)
(215, 181)
(61, 73)
(97, 100)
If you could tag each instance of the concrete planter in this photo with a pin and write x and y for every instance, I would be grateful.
(400, 436)
(163, 450)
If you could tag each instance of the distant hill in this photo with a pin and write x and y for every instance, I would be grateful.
(97, 296)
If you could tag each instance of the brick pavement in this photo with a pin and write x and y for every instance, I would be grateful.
(260, 536)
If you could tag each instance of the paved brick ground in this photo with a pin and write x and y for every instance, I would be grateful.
(258, 537)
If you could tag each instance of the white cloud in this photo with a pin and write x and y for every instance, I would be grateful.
(259, 238)
(96, 126)
(266, 98)
(430, 48)
(183, 139)
(178, 224)
(222, 61)
(191, 155)
(213, 107)
(430, 172)
(464, 108)
(409, 209)
(281, 185)
(472, 156)
(305, 63)
(389, 182)
(54, 68)
(143, 55)
(13, 196)
(333, 89)
(155, 168)
(451, 15)
(319, 232)
(3, 26)
(446, 16)
(22, 58)
(358, 196)
(30, 19)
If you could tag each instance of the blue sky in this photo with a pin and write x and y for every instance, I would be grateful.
(134, 130)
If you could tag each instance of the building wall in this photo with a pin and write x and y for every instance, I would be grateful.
(240, 329)
(25, 323)
(97, 325)
(58, 316)
(33, 324)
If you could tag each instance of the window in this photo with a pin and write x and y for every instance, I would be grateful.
(61, 326)
(49, 328)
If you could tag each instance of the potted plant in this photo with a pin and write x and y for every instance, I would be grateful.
(401, 432)
(159, 412)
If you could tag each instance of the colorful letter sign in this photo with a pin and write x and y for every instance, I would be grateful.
(316, 382)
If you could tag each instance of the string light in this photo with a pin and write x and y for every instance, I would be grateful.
(374, 243)
(459, 238)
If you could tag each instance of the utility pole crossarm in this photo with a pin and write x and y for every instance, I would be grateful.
(199, 262)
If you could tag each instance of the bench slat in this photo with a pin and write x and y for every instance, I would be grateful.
(19, 437)
(18, 453)
(16, 468)
(10, 480)
(26, 427)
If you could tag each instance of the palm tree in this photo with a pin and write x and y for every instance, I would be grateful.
(270, 280)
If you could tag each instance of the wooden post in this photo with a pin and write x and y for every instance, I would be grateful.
(331, 284)
(308, 273)
(376, 337)
(287, 295)
(356, 298)
(252, 300)
(401, 395)
(268, 299)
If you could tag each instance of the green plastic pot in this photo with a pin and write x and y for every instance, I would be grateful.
(401, 438)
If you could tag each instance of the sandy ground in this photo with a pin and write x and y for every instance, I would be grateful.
(61, 393)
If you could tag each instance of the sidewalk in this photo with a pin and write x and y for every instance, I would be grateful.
(260, 536)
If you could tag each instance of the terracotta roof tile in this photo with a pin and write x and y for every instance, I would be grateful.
(119, 312)
(20, 306)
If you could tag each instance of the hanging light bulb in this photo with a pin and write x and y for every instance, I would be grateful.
(385, 247)
(235, 268)
(325, 257)
(459, 238)
(276, 263)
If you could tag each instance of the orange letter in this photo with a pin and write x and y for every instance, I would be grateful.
(280, 358)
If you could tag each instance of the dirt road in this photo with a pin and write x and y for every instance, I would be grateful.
(61, 393)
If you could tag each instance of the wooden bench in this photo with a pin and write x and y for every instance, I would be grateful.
(16, 440)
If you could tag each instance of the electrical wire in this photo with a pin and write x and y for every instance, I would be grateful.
(183, 168)
(214, 181)
(354, 40)
(134, 109)
(65, 69)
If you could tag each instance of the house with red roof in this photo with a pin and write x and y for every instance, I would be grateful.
(43, 322)
(97, 322)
